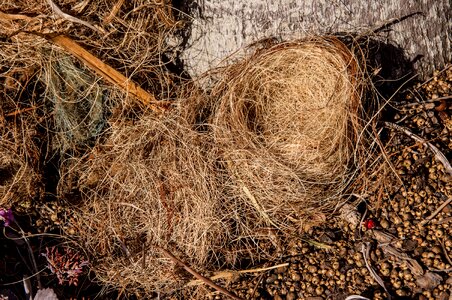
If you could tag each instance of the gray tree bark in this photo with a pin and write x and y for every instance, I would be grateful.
(222, 27)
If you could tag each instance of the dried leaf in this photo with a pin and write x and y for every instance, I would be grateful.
(429, 281)
(383, 237)
(350, 214)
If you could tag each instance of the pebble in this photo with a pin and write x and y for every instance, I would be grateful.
(272, 278)
(291, 296)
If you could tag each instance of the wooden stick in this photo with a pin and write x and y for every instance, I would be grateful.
(107, 72)
(437, 211)
(197, 275)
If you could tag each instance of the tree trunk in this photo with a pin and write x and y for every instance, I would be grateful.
(221, 27)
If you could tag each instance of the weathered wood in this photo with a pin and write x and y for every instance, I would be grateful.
(224, 26)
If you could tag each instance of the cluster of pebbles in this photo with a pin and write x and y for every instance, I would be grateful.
(395, 249)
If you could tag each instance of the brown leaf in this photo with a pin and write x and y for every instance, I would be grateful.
(429, 281)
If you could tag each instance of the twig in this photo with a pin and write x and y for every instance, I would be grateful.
(113, 12)
(440, 270)
(20, 111)
(431, 78)
(388, 23)
(365, 251)
(5, 16)
(445, 253)
(424, 103)
(445, 220)
(437, 211)
(438, 154)
(64, 15)
(197, 275)
(107, 72)
(227, 274)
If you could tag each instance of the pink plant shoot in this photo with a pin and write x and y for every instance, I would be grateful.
(66, 265)
(6, 215)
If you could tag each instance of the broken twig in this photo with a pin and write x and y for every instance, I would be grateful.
(197, 275)
(436, 212)
(228, 274)
(438, 154)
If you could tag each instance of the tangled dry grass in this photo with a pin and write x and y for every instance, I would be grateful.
(287, 123)
(270, 147)
(152, 183)
(19, 179)
(54, 98)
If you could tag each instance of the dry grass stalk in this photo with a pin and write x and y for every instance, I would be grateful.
(232, 274)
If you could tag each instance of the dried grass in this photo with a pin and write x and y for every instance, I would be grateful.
(286, 121)
(19, 179)
(269, 147)
(152, 183)
(132, 39)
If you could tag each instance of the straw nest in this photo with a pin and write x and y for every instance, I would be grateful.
(286, 121)
(270, 145)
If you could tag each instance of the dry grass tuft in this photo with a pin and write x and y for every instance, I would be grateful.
(19, 179)
(286, 121)
(151, 184)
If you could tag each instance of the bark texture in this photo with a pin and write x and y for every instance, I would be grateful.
(221, 27)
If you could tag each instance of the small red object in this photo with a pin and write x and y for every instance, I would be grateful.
(370, 224)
